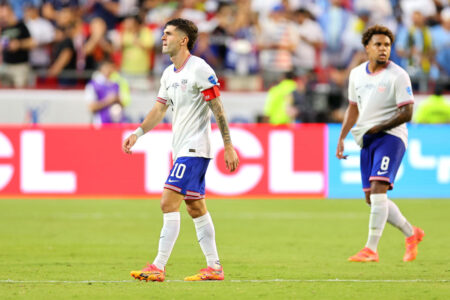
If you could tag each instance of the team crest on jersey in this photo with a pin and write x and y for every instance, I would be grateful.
(212, 79)
(184, 84)
(409, 90)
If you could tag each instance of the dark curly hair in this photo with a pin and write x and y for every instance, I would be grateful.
(376, 29)
(186, 26)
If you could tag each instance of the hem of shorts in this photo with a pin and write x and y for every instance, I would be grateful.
(173, 188)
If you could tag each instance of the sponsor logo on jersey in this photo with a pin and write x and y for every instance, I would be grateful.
(381, 172)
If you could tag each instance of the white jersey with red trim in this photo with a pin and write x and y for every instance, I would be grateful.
(378, 95)
(191, 120)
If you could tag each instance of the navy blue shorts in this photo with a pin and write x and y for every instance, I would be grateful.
(187, 177)
(381, 156)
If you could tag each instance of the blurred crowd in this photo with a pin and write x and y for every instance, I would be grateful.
(251, 44)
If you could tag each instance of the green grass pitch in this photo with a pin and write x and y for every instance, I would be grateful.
(85, 249)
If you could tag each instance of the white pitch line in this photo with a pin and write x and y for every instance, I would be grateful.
(240, 281)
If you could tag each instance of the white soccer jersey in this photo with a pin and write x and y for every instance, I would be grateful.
(378, 95)
(191, 120)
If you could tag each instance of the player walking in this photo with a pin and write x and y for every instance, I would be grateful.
(189, 85)
(380, 103)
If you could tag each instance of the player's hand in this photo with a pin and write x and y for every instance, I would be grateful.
(340, 150)
(374, 129)
(231, 158)
(128, 143)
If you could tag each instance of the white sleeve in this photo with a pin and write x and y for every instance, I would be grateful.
(403, 90)
(351, 89)
(163, 96)
(89, 93)
(205, 77)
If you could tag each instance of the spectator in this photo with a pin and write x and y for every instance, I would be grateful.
(278, 103)
(426, 7)
(301, 107)
(107, 10)
(64, 64)
(136, 43)
(435, 109)
(311, 42)
(191, 10)
(277, 41)
(441, 42)
(43, 33)
(50, 8)
(103, 96)
(16, 43)
(158, 11)
(351, 37)
(415, 46)
(379, 11)
(333, 22)
(19, 6)
(203, 49)
(220, 36)
(97, 47)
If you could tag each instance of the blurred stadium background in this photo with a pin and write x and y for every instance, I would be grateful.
(296, 54)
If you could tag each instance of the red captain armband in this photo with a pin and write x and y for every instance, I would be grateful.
(211, 93)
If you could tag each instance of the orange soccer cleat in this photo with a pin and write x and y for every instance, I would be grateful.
(365, 255)
(207, 274)
(411, 244)
(149, 273)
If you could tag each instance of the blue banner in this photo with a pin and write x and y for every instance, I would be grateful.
(424, 172)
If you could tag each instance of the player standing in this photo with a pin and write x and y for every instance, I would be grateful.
(190, 86)
(381, 102)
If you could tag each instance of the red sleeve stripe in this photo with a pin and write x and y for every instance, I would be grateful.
(211, 93)
(161, 100)
(405, 103)
(351, 102)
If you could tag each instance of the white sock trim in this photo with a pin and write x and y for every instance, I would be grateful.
(172, 216)
(203, 220)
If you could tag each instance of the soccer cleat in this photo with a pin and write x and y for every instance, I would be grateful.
(365, 255)
(411, 244)
(207, 274)
(149, 273)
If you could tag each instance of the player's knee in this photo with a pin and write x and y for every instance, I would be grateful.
(195, 209)
(167, 207)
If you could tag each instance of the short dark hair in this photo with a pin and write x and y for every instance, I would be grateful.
(188, 27)
(376, 29)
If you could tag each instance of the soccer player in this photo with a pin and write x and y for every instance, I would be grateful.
(380, 103)
(190, 87)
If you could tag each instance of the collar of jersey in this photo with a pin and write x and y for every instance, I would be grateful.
(182, 66)
(375, 73)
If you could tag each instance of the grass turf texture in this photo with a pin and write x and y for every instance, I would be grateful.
(103, 240)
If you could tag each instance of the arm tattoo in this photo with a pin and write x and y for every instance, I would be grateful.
(219, 113)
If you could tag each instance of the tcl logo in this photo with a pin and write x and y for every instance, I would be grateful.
(33, 176)
(282, 178)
